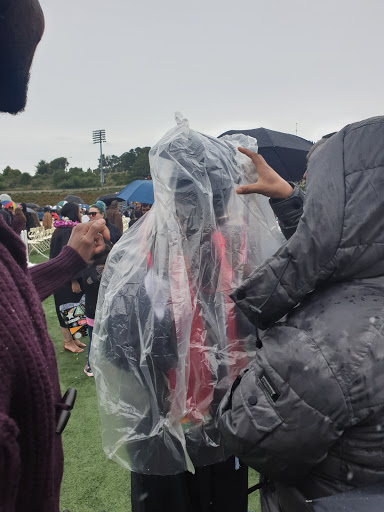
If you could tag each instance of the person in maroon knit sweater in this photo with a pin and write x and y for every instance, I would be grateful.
(31, 456)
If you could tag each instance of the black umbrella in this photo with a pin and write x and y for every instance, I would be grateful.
(74, 199)
(283, 152)
(368, 499)
(108, 198)
(33, 205)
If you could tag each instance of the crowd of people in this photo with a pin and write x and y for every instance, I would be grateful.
(82, 290)
(306, 411)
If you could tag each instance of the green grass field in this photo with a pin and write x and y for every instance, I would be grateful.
(91, 482)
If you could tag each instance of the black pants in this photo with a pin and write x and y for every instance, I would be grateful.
(216, 488)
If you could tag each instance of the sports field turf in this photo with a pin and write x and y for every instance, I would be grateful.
(91, 482)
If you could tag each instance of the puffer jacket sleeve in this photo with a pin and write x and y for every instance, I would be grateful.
(289, 211)
(286, 409)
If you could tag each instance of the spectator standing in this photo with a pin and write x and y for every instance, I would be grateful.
(5, 215)
(71, 291)
(32, 219)
(97, 211)
(145, 207)
(47, 219)
(114, 216)
(91, 284)
(136, 215)
(19, 221)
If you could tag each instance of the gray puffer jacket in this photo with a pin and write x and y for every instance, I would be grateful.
(308, 412)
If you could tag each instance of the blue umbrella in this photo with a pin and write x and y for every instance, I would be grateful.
(140, 191)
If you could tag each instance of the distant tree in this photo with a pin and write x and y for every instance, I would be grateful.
(25, 179)
(128, 159)
(75, 171)
(43, 167)
(58, 177)
(141, 166)
(59, 164)
(6, 171)
(13, 177)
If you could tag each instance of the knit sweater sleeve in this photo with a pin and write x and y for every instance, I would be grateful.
(51, 275)
(10, 467)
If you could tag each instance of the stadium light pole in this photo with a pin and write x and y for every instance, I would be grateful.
(98, 138)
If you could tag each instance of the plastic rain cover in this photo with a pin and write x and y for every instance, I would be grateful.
(168, 341)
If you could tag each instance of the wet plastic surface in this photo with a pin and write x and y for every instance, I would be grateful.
(168, 341)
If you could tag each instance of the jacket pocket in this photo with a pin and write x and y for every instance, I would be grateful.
(257, 394)
(247, 414)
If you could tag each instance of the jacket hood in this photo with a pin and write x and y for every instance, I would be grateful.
(340, 235)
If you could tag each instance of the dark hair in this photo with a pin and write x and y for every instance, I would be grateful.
(137, 214)
(19, 211)
(71, 210)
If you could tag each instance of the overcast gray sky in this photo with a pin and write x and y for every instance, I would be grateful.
(128, 66)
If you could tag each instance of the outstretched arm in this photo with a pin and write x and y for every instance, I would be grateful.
(85, 241)
(285, 198)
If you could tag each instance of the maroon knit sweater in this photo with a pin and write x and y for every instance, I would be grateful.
(31, 458)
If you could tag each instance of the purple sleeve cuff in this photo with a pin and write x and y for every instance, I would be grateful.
(51, 275)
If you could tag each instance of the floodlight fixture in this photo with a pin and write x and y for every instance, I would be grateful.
(98, 137)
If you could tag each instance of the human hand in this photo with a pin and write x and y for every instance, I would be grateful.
(87, 238)
(76, 287)
(269, 183)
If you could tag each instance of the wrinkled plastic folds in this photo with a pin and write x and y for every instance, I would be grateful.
(168, 341)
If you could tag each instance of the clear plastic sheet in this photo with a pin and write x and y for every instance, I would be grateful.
(168, 341)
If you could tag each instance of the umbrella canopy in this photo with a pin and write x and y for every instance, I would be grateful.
(30, 210)
(7, 204)
(108, 198)
(32, 205)
(60, 204)
(284, 152)
(140, 191)
(5, 197)
(74, 199)
(85, 206)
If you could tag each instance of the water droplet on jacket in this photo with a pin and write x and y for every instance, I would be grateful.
(143, 496)
(372, 319)
(379, 428)
(349, 475)
(306, 368)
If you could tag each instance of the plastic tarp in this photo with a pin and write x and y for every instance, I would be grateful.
(168, 341)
